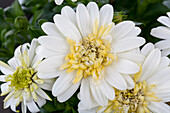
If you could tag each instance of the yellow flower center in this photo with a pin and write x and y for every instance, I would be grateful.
(89, 56)
(21, 78)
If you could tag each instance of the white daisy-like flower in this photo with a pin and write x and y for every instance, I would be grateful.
(87, 48)
(163, 32)
(151, 91)
(59, 2)
(22, 83)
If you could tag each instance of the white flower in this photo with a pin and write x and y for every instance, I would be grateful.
(22, 82)
(87, 48)
(163, 32)
(59, 2)
(151, 91)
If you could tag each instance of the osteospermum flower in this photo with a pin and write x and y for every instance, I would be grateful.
(163, 32)
(87, 48)
(22, 83)
(151, 89)
(59, 2)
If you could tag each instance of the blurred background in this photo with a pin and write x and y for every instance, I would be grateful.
(21, 21)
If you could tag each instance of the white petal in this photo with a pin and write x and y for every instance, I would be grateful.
(134, 32)
(68, 93)
(59, 2)
(161, 32)
(34, 45)
(47, 75)
(14, 62)
(8, 102)
(36, 60)
(32, 106)
(147, 49)
(132, 56)
(94, 12)
(128, 43)
(122, 29)
(115, 79)
(150, 64)
(166, 52)
(23, 108)
(168, 13)
(106, 14)
(63, 83)
(13, 104)
(126, 66)
(2, 78)
(6, 69)
(164, 20)
(83, 20)
(67, 28)
(85, 94)
(98, 95)
(158, 107)
(93, 110)
(40, 101)
(129, 81)
(42, 94)
(107, 90)
(51, 29)
(160, 76)
(164, 63)
(44, 52)
(69, 13)
(51, 65)
(46, 86)
(59, 45)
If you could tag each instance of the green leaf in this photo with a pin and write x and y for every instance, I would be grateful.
(41, 21)
(36, 16)
(14, 10)
(21, 22)
(35, 32)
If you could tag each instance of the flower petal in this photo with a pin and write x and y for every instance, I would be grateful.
(6, 69)
(164, 20)
(106, 14)
(107, 90)
(51, 29)
(166, 52)
(58, 45)
(94, 12)
(42, 94)
(83, 20)
(147, 49)
(134, 32)
(161, 32)
(32, 106)
(126, 66)
(63, 83)
(158, 107)
(115, 79)
(51, 65)
(122, 29)
(69, 13)
(40, 101)
(87, 101)
(14, 62)
(44, 52)
(129, 81)
(150, 64)
(126, 44)
(67, 28)
(68, 93)
(59, 2)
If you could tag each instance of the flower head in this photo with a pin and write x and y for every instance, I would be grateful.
(85, 47)
(151, 87)
(22, 83)
(163, 32)
(59, 2)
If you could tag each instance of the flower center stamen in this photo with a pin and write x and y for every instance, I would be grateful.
(130, 100)
(89, 56)
(21, 78)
